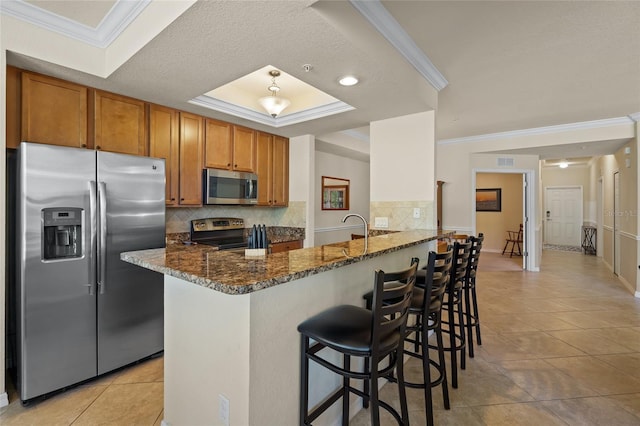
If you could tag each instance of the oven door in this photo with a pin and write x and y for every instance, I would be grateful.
(231, 188)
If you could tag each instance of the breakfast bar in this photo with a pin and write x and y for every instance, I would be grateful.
(231, 343)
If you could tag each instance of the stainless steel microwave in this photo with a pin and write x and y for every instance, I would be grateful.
(226, 187)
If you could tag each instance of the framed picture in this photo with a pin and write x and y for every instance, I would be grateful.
(489, 200)
(335, 193)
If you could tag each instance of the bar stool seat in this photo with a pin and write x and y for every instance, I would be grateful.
(373, 335)
(347, 329)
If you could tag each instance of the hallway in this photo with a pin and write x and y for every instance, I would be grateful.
(560, 347)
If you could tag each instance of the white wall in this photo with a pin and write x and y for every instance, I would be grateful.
(328, 223)
(403, 171)
(301, 178)
(4, 400)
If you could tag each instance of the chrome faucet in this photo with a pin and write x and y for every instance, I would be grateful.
(364, 224)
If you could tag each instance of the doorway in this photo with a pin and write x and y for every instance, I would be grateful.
(563, 215)
(515, 208)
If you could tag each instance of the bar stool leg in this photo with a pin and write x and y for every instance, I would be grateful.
(304, 380)
(474, 299)
(345, 391)
(426, 374)
(445, 385)
(469, 317)
(463, 337)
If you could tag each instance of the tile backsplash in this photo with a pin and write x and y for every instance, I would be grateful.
(400, 214)
(178, 219)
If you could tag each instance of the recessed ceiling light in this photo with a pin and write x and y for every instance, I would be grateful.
(348, 80)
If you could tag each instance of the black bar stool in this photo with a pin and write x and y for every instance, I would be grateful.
(454, 322)
(472, 316)
(431, 285)
(370, 334)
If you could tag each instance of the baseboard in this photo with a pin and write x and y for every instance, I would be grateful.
(4, 399)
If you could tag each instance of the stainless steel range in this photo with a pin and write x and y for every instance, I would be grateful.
(226, 233)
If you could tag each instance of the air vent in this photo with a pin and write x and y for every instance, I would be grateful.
(505, 162)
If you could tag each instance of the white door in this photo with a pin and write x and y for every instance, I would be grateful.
(563, 216)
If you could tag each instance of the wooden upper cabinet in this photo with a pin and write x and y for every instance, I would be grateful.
(230, 147)
(53, 111)
(119, 124)
(163, 143)
(244, 149)
(218, 140)
(191, 140)
(280, 171)
(272, 168)
(264, 152)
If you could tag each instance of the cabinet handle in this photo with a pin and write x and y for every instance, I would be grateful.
(181, 199)
(173, 199)
(98, 147)
(228, 164)
(84, 145)
(235, 165)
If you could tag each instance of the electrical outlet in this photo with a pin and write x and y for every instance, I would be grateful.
(381, 222)
(223, 409)
(416, 212)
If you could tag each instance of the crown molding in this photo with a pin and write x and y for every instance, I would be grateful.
(258, 117)
(112, 25)
(635, 116)
(374, 12)
(584, 125)
(356, 135)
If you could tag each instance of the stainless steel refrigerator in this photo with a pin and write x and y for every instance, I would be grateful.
(81, 311)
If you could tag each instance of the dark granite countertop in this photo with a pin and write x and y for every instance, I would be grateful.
(232, 273)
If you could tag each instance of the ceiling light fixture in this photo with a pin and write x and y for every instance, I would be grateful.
(348, 80)
(563, 164)
(272, 103)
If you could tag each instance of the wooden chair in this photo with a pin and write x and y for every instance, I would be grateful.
(515, 239)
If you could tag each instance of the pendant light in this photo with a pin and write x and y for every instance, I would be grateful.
(272, 103)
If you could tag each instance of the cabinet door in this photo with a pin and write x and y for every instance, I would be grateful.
(53, 111)
(286, 246)
(244, 149)
(218, 140)
(119, 124)
(280, 171)
(191, 137)
(163, 143)
(263, 168)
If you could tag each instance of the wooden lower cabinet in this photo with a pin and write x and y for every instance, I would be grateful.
(272, 168)
(164, 139)
(286, 246)
(191, 139)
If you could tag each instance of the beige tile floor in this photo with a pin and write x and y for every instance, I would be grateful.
(560, 347)
(132, 396)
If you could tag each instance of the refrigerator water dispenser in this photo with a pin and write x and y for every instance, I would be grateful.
(62, 233)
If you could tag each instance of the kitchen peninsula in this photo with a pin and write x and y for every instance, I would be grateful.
(230, 322)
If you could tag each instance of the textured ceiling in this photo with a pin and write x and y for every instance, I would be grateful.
(510, 65)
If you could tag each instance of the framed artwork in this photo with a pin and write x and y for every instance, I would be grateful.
(489, 200)
(335, 193)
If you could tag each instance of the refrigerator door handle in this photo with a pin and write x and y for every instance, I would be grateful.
(102, 236)
(92, 237)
